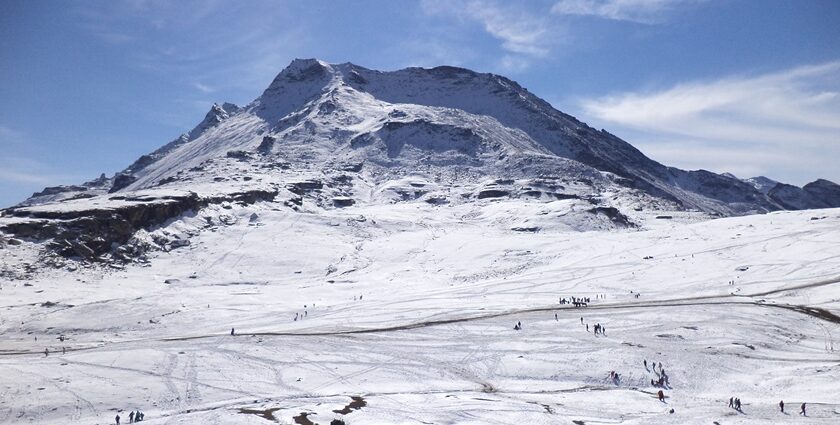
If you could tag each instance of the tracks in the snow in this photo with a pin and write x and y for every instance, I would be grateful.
(707, 300)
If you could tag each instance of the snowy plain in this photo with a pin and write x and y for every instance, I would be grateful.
(410, 307)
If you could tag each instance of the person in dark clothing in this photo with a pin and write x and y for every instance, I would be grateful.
(661, 396)
(232, 332)
(782, 406)
(131, 417)
(802, 410)
(738, 404)
(645, 362)
(117, 419)
(731, 401)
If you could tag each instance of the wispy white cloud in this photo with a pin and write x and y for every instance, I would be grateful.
(769, 121)
(203, 88)
(642, 11)
(523, 35)
(518, 31)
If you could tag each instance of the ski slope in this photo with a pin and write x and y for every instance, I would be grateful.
(410, 307)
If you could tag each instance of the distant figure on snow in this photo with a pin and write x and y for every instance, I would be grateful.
(117, 419)
(232, 332)
(131, 417)
(782, 406)
(661, 396)
(802, 410)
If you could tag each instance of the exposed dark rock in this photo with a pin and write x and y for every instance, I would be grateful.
(121, 181)
(493, 193)
(437, 200)
(240, 155)
(342, 201)
(531, 229)
(267, 145)
(566, 196)
(88, 233)
(304, 186)
(353, 167)
(614, 214)
(59, 189)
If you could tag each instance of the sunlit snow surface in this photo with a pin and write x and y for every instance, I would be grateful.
(412, 307)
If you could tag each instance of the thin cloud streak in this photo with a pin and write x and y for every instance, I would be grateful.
(792, 113)
(522, 35)
(639, 11)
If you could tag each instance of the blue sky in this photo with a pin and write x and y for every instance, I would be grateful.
(748, 87)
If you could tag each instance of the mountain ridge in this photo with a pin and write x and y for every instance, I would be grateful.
(310, 80)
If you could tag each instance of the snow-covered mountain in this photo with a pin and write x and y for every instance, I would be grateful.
(443, 120)
(364, 247)
(340, 134)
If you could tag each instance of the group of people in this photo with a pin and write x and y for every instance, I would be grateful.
(517, 326)
(801, 408)
(577, 302)
(132, 417)
(735, 403)
(662, 380)
(300, 316)
(600, 329)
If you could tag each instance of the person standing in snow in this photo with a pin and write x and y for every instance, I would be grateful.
(117, 419)
(802, 410)
(661, 396)
(131, 417)
(232, 332)
(782, 406)
(732, 402)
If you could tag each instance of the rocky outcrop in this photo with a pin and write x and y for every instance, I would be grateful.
(91, 232)
(492, 193)
(614, 215)
(304, 186)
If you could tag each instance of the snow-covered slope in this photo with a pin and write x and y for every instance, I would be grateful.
(410, 308)
(373, 237)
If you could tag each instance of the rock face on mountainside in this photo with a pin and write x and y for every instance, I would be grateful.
(339, 136)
